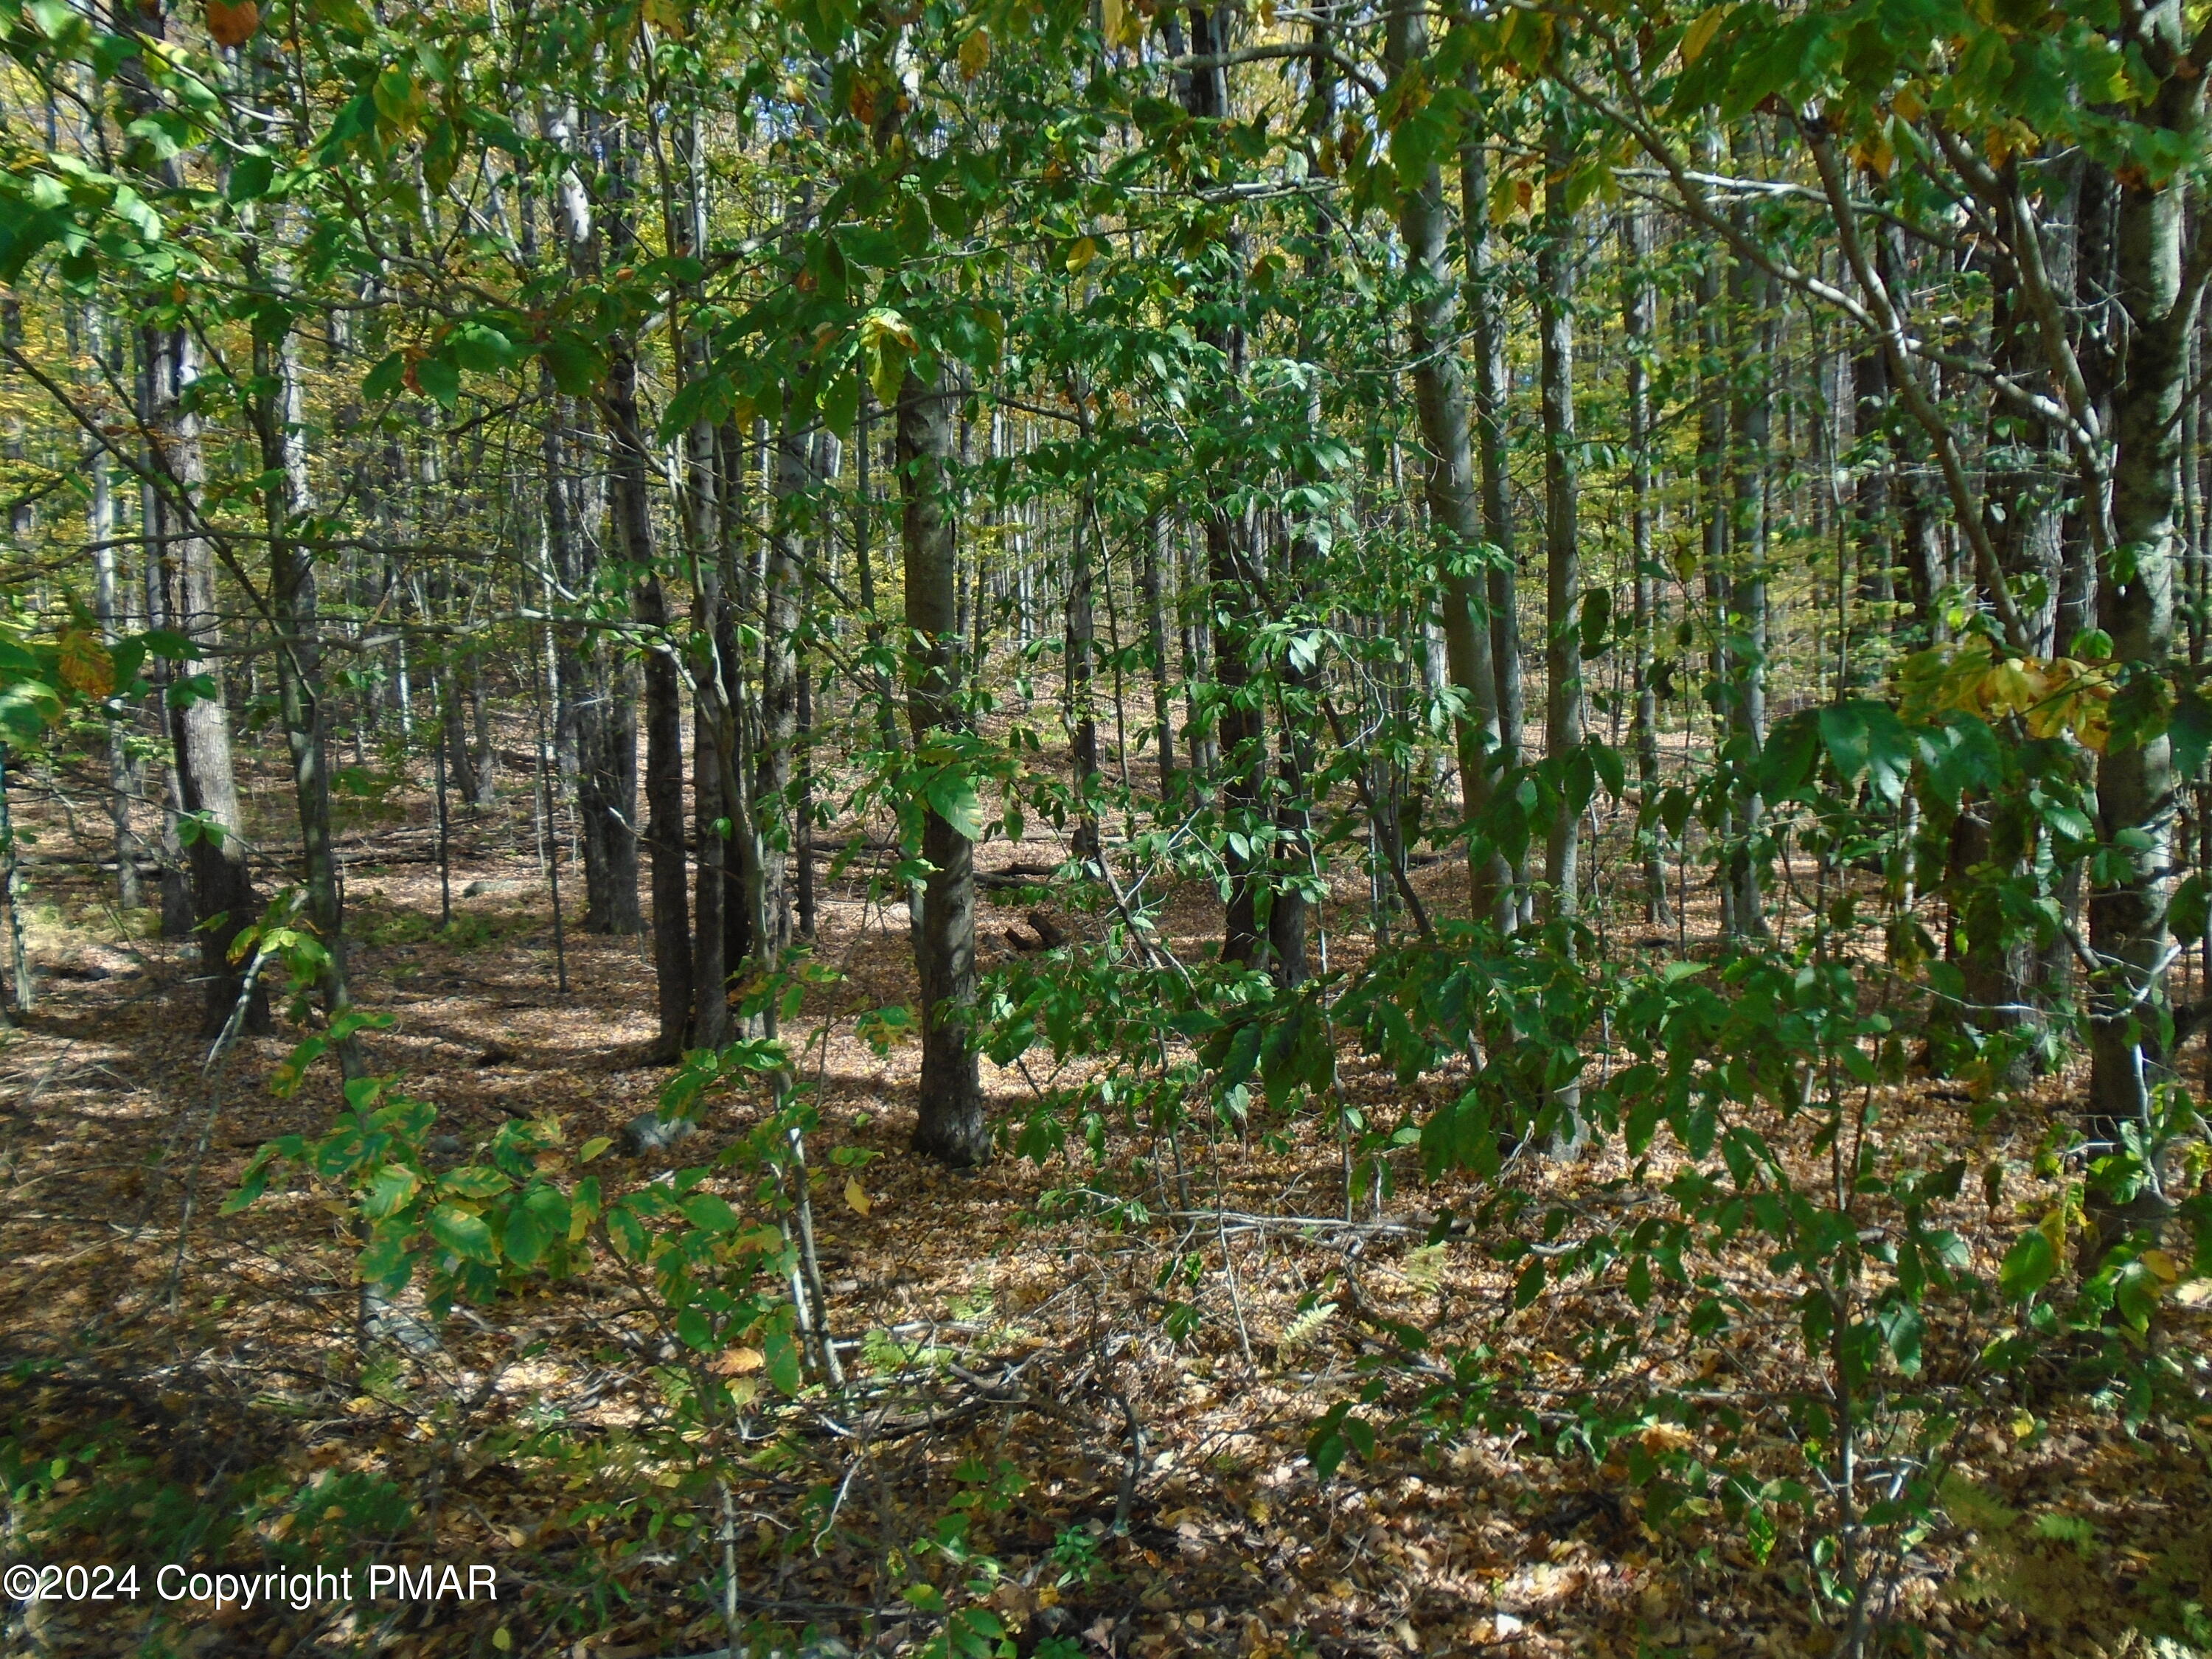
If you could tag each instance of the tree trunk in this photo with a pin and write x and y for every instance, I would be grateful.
(950, 1123)
(1240, 732)
(211, 825)
(606, 793)
(2134, 606)
(714, 747)
(453, 734)
(298, 659)
(630, 507)
(1456, 521)
(744, 895)
(1155, 550)
(1872, 529)
(779, 695)
(1639, 322)
(1563, 667)
(1487, 317)
(123, 774)
(1753, 306)
(1082, 647)
(222, 899)
(1713, 428)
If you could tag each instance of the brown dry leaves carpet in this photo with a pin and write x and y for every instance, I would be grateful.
(197, 1383)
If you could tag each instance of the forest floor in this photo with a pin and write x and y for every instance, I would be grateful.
(155, 1385)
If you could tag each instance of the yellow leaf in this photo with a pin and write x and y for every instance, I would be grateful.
(1908, 103)
(2162, 1265)
(502, 1640)
(86, 666)
(1701, 33)
(975, 54)
(2093, 726)
(1124, 25)
(2013, 687)
(667, 16)
(2053, 1227)
(856, 1197)
(1084, 251)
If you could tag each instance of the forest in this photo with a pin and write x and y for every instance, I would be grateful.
(1020, 830)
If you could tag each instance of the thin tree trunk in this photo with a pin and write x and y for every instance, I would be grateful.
(1240, 734)
(1639, 322)
(123, 773)
(222, 898)
(779, 727)
(299, 660)
(211, 824)
(1713, 429)
(949, 1122)
(1487, 317)
(1455, 518)
(1753, 306)
(1563, 689)
(1082, 647)
(1155, 551)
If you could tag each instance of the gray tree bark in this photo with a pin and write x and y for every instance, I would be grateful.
(950, 1123)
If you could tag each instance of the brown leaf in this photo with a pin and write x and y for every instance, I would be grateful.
(86, 666)
(233, 25)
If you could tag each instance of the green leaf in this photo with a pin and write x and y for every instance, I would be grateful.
(1902, 1329)
(465, 1234)
(1530, 1284)
(2191, 732)
(782, 1356)
(1785, 759)
(577, 365)
(2027, 1265)
(1360, 1433)
(709, 1213)
(251, 177)
(840, 404)
(389, 1190)
(524, 1237)
(254, 1183)
(440, 380)
(2191, 908)
(951, 795)
(708, 399)
(384, 1262)
(479, 348)
(1865, 740)
(1610, 766)
(1597, 621)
